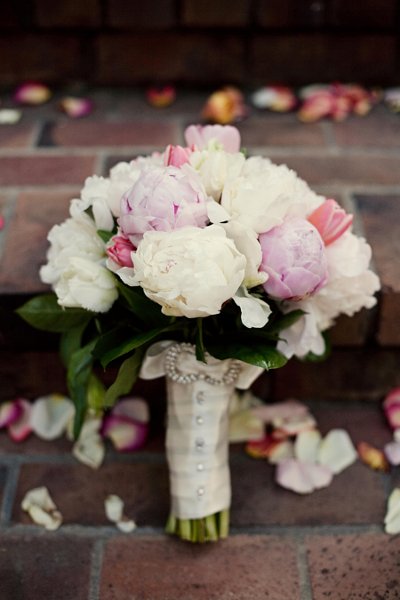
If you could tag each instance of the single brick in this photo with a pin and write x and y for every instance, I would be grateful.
(80, 492)
(166, 569)
(134, 14)
(96, 134)
(282, 130)
(17, 136)
(165, 57)
(68, 14)
(35, 214)
(351, 567)
(304, 58)
(45, 170)
(44, 566)
(258, 500)
(351, 169)
(206, 13)
(380, 216)
(43, 57)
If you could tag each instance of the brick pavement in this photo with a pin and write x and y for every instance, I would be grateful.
(330, 544)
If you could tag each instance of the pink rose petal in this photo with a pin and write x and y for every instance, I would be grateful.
(76, 107)
(32, 93)
(10, 412)
(20, 429)
(392, 452)
(391, 407)
(133, 408)
(125, 433)
(302, 477)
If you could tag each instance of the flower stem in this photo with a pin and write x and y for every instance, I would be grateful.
(207, 529)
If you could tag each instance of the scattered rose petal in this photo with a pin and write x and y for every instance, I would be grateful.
(284, 449)
(161, 97)
(392, 518)
(51, 415)
(245, 426)
(89, 448)
(9, 116)
(76, 107)
(125, 433)
(396, 435)
(336, 451)
(293, 425)
(9, 412)
(392, 99)
(133, 408)
(391, 407)
(302, 477)
(41, 508)
(2, 222)
(262, 448)
(278, 98)
(307, 445)
(114, 507)
(281, 411)
(373, 457)
(32, 93)
(392, 453)
(21, 428)
(225, 106)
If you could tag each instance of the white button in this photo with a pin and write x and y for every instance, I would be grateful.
(199, 444)
(200, 491)
(200, 398)
(200, 467)
(199, 420)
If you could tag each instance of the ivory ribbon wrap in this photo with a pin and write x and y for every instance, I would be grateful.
(198, 422)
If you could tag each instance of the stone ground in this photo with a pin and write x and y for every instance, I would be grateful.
(282, 546)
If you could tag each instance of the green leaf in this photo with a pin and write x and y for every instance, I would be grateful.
(95, 393)
(70, 342)
(257, 353)
(105, 235)
(129, 345)
(78, 374)
(145, 309)
(126, 377)
(43, 312)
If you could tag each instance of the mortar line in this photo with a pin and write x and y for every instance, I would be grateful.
(95, 570)
(304, 574)
(9, 494)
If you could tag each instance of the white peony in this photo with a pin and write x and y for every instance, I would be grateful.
(190, 272)
(246, 242)
(72, 238)
(215, 167)
(86, 284)
(264, 194)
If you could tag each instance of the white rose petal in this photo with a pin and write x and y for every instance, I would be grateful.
(41, 508)
(89, 449)
(51, 415)
(114, 507)
(392, 517)
(302, 477)
(254, 311)
(336, 451)
(306, 445)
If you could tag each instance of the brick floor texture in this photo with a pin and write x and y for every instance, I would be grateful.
(330, 544)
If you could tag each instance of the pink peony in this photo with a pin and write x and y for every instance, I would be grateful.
(330, 220)
(293, 256)
(163, 199)
(176, 155)
(226, 135)
(120, 250)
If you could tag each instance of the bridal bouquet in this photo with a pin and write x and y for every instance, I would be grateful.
(208, 267)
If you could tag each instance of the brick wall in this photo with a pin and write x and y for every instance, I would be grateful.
(199, 42)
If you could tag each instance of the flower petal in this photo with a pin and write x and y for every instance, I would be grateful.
(76, 107)
(293, 425)
(262, 448)
(391, 407)
(302, 477)
(133, 408)
(9, 412)
(21, 428)
(41, 508)
(336, 451)
(306, 445)
(161, 97)
(51, 415)
(373, 457)
(280, 411)
(392, 517)
(9, 116)
(126, 434)
(114, 507)
(283, 449)
(245, 426)
(254, 311)
(32, 93)
(392, 453)
(126, 525)
(89, 449)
